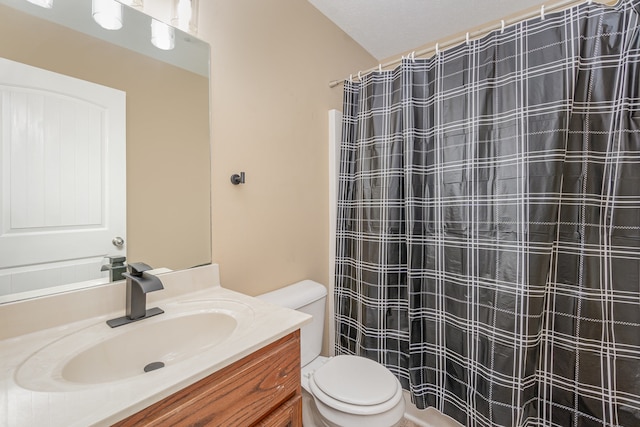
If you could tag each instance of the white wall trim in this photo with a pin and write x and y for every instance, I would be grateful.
(335, 136)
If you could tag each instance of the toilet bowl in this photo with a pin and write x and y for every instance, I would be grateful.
(341, 391)
(355, 391)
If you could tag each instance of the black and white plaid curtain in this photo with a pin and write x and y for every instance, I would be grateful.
(489, 223)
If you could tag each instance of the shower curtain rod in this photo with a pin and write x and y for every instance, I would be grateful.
(470, 35)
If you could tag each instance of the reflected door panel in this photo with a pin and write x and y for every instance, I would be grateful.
(63, 175)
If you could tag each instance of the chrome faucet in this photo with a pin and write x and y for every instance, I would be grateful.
(138, 285)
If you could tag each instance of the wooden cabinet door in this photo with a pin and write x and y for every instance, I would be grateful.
(242, 394)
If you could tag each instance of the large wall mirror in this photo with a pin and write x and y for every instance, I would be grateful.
(165, 94)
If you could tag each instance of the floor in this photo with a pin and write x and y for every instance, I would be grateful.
(414, 417)
(430, 417)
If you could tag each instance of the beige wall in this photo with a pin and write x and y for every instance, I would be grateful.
(271, 64)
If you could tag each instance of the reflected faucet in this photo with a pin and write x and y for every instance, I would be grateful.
(138, 285)
(116, 267)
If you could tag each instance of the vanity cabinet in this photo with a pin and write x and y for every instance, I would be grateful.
(262, 389)
(289, 414)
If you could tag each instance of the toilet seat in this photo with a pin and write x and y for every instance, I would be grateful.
(355, 385)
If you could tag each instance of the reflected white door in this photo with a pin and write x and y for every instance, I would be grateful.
(62, 154)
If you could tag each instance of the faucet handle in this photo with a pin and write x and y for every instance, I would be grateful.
(115, 260)
(136, 268)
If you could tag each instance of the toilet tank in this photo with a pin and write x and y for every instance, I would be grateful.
(308, 297)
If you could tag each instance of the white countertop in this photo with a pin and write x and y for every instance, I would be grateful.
(106, 403)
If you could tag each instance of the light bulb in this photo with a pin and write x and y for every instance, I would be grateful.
(162, 35)
(107, 13)
(185, 15)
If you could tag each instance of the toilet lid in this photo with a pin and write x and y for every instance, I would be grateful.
(356, 380)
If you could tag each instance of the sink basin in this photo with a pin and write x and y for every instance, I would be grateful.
(99, 354)
(127, 354)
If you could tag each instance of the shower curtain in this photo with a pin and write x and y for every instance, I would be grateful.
(488, 241)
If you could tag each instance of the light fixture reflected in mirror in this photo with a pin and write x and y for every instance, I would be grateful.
(185, 15)
(162, 35)
(107, 13)
(42, 3)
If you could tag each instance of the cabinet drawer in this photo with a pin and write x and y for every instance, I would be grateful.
(289, 414)
(238, 395)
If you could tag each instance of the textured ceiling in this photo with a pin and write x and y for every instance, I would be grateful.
(386, 28)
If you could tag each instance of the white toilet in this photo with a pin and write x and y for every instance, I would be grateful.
(347, 390)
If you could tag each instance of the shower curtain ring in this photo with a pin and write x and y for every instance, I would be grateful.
(542, 12)
(359, 76)
(437, 48)
(467, 37)
(501, 26)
